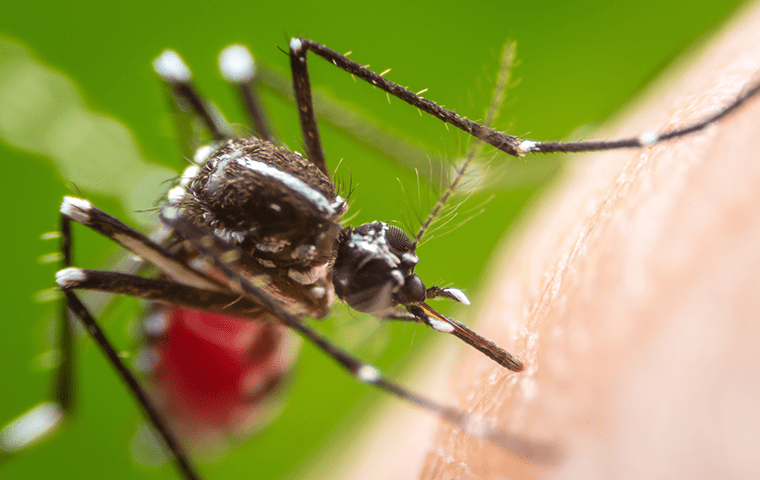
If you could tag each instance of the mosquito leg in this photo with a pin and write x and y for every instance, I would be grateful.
(298, 48)
(648, 138)
(82, 211)
(306, 114)
(133, 384)
(224, 255)
(63, 391)
(359, 128)
(475, 425)
(158, 290)
(238, 67)
(509, 144)
(45, 418)
(64, 383)
(173, 70)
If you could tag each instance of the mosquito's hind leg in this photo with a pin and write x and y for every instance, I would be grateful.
(45, 418)
(306, 114)
(173, 70)
(509, 144)
(83, 212)
(238, 67)
(133, 384)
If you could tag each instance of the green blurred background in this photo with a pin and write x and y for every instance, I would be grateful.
(578, 63)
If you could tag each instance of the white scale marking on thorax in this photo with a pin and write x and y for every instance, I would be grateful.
(299, 186)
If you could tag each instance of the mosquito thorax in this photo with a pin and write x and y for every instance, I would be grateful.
(374, 268)
(266, 200)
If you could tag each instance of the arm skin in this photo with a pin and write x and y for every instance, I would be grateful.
(633, 297)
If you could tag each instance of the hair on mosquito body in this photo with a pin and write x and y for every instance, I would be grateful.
(255, 231)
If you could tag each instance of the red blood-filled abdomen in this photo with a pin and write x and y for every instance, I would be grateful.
(215, 377)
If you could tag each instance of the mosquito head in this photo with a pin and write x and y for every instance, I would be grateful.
(374, 269)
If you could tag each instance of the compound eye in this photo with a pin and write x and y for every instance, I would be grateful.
(398, 239)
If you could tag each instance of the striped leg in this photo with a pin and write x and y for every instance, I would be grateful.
(224, 257)
(509, 144)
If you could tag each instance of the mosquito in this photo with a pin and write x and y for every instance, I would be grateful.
(253, 231)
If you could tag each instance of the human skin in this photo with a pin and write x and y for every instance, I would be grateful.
(633, 298)
(632, 295)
